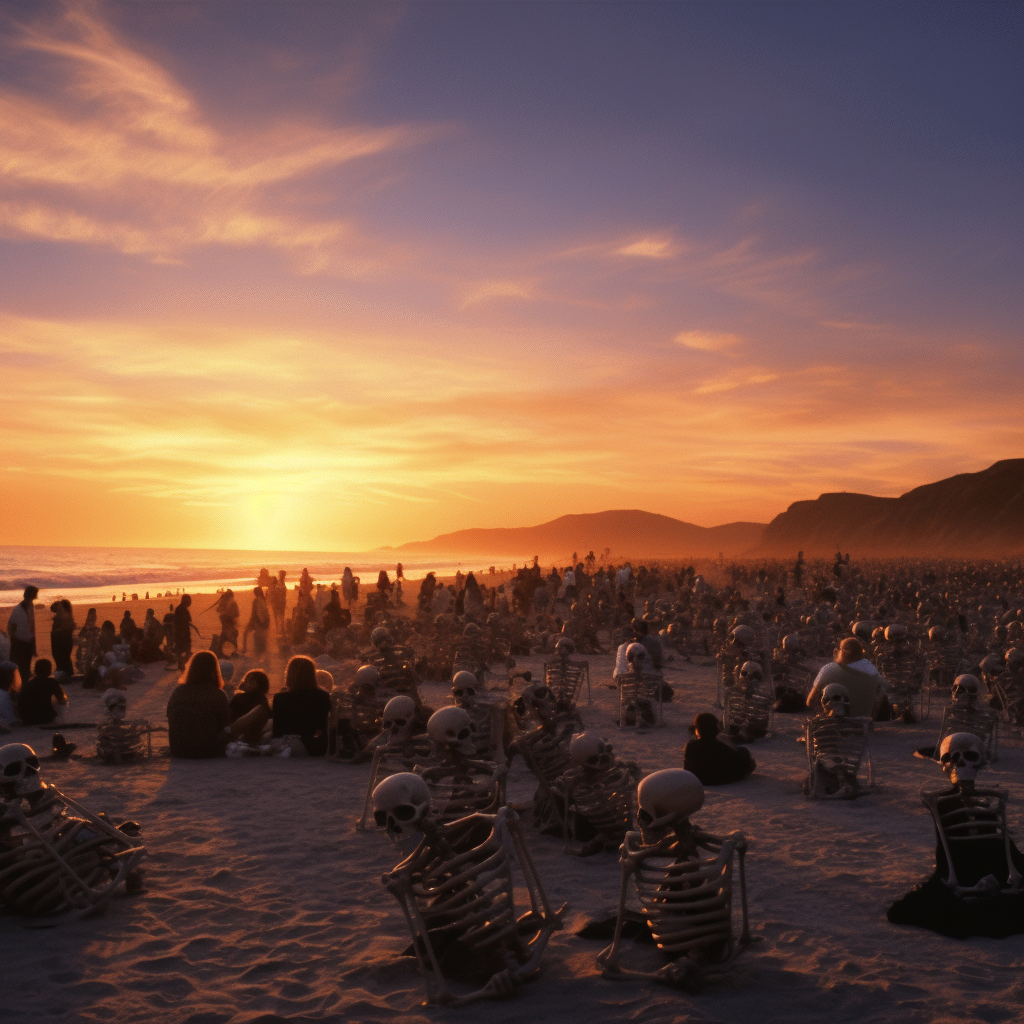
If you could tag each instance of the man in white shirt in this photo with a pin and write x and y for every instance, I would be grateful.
(856, 673)
(21, 628)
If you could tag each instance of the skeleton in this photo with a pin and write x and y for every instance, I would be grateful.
(545, 749)
(748, 704)
(904, 670)
(966, 713)
(118, 740)
(836, 745)
(456, 892)
(566, 677)
(739, 647)
(598, 793)
(639, 687)
(58, 859)
(360, 706)
(967, 818)
(685, 899)
(459, 784)
(488, 717)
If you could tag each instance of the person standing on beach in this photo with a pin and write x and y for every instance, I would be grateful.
(258, 624)
(183, 629)
(62, 636)
(21, 628)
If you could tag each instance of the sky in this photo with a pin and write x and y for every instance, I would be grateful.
(327, 276)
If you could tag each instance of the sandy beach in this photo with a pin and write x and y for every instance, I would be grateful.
(262, 902)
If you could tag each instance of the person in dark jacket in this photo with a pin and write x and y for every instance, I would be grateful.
(42, 697)
(713, 762)
(301, 709)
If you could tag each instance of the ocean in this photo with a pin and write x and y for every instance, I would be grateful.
(85, 575)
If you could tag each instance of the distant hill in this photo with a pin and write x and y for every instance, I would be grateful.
(971, 514)
(628, 533)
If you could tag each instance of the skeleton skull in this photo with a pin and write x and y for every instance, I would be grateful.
(991, 665)
(863, 630)
(380, 638)
(966, 688)
(565, 648)
(19, 769)
(464, 686)
(835, 700)
(591, 751)
(896, 632)
(398, 716)
(668, 798)
(743, 636)
(367, 676)
(452, 727)
(116, 703)
(751, 673)
(793, 644)
(636, 655)
(961, 755)
(540, 699)
(400, 802)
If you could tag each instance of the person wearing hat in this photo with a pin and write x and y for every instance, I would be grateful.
(21, 628)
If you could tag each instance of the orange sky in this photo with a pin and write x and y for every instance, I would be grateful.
(263, 294)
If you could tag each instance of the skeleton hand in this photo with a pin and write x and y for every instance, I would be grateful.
(501, 986)
(682, 973)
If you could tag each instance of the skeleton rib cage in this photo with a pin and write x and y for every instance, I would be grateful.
(967, 818)
(685, 898)
(565, 678)
(904, 670)
(836, 746)
(54, 862)
(120, 741)
(607, 799)
(458, 884)
(636, 686)
(945, 663)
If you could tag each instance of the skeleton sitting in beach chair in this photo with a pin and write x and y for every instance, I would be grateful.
(836, 745)
(967, 817)
(488, 715)
(640, 687)
(566, 677)
(120, 740)
(58, 859)
(748, 704)
(545, 749)
(740, 645)
(598, 795)
(456, 891)
(685, 897)
(945, 657)
(966, 713)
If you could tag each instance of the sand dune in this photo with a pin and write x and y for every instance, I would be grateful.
(263, 903)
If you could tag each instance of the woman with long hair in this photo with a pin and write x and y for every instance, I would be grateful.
(62, 636)
(301, 708)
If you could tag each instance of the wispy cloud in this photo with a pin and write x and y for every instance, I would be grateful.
(118, 153)
(708, 341)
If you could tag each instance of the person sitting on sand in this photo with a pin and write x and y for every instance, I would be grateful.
(128, 628)
(8, 710)
(198, 714)
(301, 709)
(713, 762)
(42, 697)
(251, 693)
(334, 616)
(853, 671)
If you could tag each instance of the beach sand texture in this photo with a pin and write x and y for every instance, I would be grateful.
(262, 902)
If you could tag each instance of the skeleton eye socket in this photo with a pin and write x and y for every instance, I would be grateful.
(381, 817)
(464, 734)
(14, 768)
(644, 817)
(398, 722)
(405, 812)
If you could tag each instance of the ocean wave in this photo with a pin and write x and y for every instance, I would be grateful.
(118, 578)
